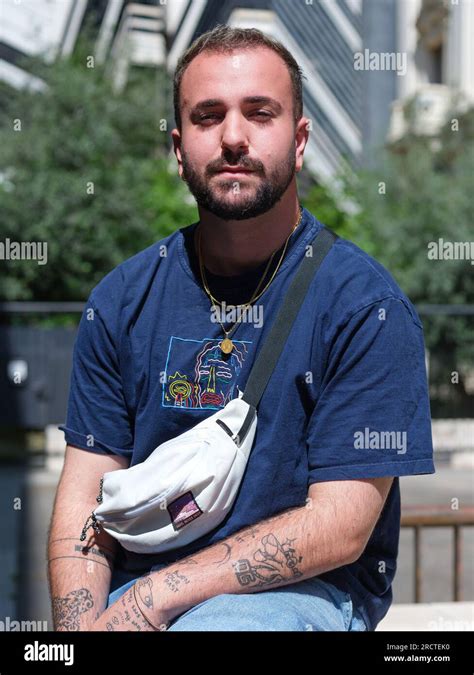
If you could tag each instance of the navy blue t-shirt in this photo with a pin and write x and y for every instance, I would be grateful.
(347, 400)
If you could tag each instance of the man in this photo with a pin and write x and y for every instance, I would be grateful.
(311, 540)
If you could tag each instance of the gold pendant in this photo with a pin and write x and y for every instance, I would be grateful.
(226, 346)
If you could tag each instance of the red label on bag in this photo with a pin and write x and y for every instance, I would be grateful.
(183, 510)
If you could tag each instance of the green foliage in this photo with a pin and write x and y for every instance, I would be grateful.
(169, 200)
(339, 210)
(86, 172)
(428, 197)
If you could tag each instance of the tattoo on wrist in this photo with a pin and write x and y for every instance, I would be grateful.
(272, 563)
(145, 591)
(143, 587)
(127, 614)
(67, 610)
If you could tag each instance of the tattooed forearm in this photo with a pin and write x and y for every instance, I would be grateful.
(263, 555)
(273, 562)
(67, 611)
(79, 575)
(133, 611)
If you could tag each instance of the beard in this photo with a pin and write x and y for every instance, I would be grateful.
(251, 200)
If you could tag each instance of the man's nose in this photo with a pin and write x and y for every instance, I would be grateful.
(234, 135)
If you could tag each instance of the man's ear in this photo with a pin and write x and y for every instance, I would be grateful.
(301, 139)
(176, 136)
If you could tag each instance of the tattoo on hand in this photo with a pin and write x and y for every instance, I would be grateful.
(67, 611)
(272, 563)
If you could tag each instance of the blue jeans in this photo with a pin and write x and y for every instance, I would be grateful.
(306, 605)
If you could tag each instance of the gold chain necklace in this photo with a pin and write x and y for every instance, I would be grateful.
(226, 345)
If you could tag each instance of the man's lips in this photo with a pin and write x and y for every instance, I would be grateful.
(235, 170)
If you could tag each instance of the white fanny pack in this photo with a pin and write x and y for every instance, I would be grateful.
(187, 485)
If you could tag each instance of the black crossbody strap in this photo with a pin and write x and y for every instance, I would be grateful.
(270, 352)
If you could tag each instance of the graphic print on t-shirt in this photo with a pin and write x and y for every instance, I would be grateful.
(199, 375)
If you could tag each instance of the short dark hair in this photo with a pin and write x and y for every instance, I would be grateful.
(224, 39)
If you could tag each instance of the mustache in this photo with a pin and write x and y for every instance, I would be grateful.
(215, 167)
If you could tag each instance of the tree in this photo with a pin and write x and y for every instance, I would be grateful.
(84, 169)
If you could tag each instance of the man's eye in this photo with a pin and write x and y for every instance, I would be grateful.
(263, 114)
